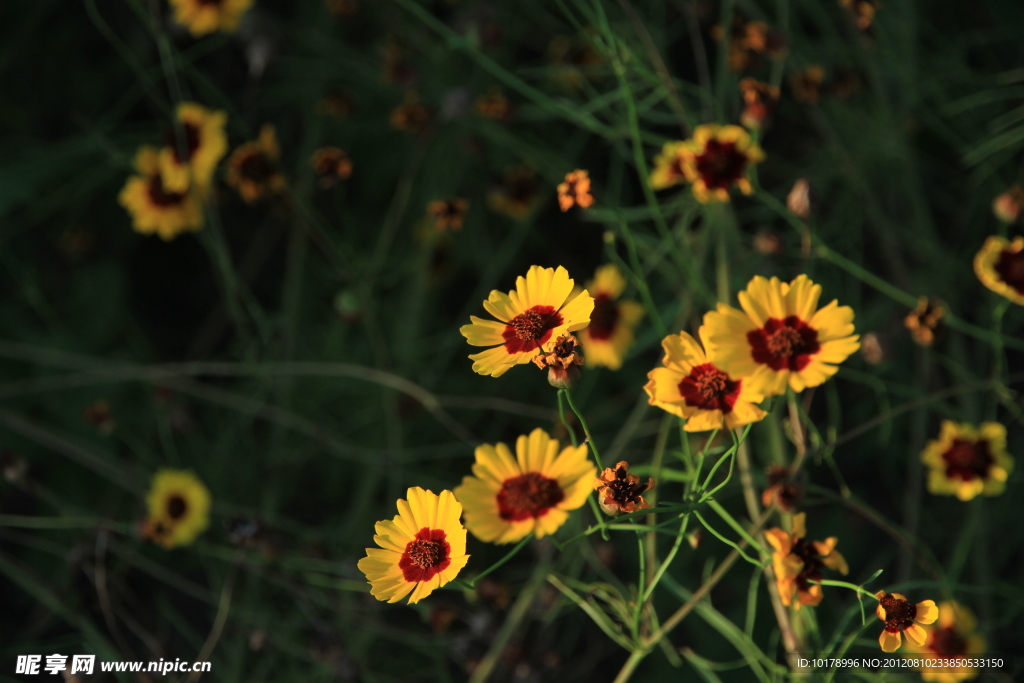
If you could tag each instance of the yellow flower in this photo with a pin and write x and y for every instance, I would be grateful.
(952, 637)
(797, 562)
(155, 209)
(1000, 267)
(966, 461)
(718, 158)
(201, 17)
(421, 549)
(693, 386)
(575, 191)
(205, 144)
(509, 497)
(530, 318)
(781, 337)
(331, 164)
(901, 616)
(252, 168)
(610, 333)
(668, 166)
(179, 508)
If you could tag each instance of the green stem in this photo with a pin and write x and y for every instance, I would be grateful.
(512, 553)
(586, 430)
(561, 415)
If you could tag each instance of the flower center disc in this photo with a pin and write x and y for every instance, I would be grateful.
(426, 555)
(159, 196)
(946, 641)
(967, 460)
(176, 507)
(899, 614)
(721, 164)
(528, 495)
(191, 142)
(1010, 267)
(709, 388)
(784, 344)
(603, 318)
(529, 330)
(256, 167)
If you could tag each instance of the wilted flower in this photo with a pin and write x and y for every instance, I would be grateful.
(863, 11)
(759, 99)
(494, 105)
(410, 116)
(448, 215)
(331, 164)
(806, 84)
(575, 191)
(562, 362)
(1007, 206)
(619, 491)
(924, 320)
(781, 490)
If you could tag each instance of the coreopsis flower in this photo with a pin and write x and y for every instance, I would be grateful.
(531, 492)
(562, 362)
(900, 616)
(155, 209)
(797, 563)
(1008, 206)
(619, 491)
(331, 164)
(518, 194)
(421, 549)
(863, 11)
(252, 168)
(799, 198)
(448, 215)
(410, 116)
(1000, 267)
(951, 637)
(924, 320)
(759, 99)
(806, 84)
(494, 105)
(530, 318)
(191, 161)
(965, 461)
(691, 385)
(179, 508)
(781, 490)
(668, 166)
(610, 333)
(575, 191)
(747, 41)
(781, 338)
(718, 158)
(202, 17)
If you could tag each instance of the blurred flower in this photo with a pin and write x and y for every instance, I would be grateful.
(781, 491)
(154, 209)
(718, 158)
(924, 320)
(201, 17)
(668, 166)
(561, 362)
(799, 198)
(573, 60)
(1000, 267)
(448, 215)
(396, 67)
(748, 40)
(846, 82)
(494, 105)
(610, 333)
(205, 144)
(337, 104)
(179, 508)
(421, 549)
(952, 637)
(767, 241)
(759, 99)
(575, 191)
(330, 165)
(901, 616)
(863, 11)
(871, 349)
(781, 338)
(410, 116)
(533, 492)
(806, 84)
(540, 309)
(618, 491)
(1007, 206)
(692, 386)
(966, 461)
(797, 562)
(252, 168)
(518, 193)
(98, 414)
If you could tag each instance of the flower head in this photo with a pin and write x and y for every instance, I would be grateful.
(966, 461)
(900, 616)
(331, 164)
(1008, 206)
(806, 84)
(619, 491)
(575, 191)
(693, 386)
(448, 215)
(179, 508)
(952, 637)
(923, 321)
(252, 168)
(781, 490)
(862, 11)
(797, 562)
(1000, 267)
(531, 317)
(780, 337)
(153, 207)
(610, 333)
(759, 99)
(517, 195)
(718, 158)
(192, 160)
(201, 17)
(410, 116)
(494, 105)
(421, 549)
(561, 362)
(531, 492)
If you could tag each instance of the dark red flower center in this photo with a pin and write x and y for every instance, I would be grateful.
(899, 614)
(215, 3)
(708, 388)
(812, 563)
(529, 330)
(721, 164)
(968, 460)
(1010, 267)
(256, 167)
(626, 490)
(176, 507)
(604, 317)
(947, 642)
(159, 196)
(784, 344)
(190, 145)
(528, 495)
(426, 555)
